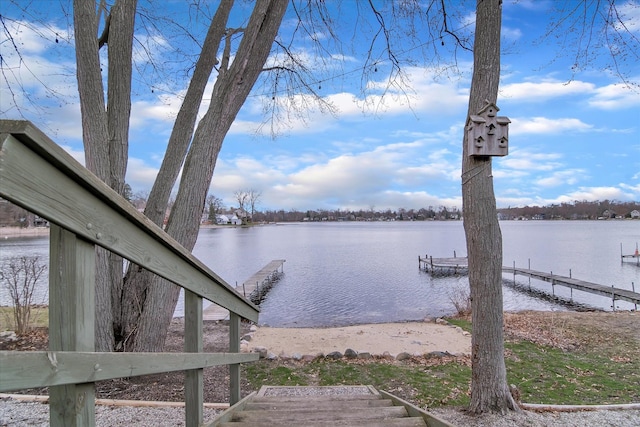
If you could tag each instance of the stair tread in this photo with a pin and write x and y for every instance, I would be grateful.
(306, 415)
(327, 397)
(317, 404)
(388, 422)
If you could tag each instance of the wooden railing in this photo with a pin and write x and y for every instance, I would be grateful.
(39, 176)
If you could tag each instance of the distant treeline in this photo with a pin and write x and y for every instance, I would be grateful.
(584, 210)
(11, 215)
(606, 209)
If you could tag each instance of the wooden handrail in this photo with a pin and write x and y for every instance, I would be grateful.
(41, 177)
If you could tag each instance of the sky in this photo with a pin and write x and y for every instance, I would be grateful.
(574, 132)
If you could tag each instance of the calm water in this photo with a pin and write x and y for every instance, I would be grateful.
(347, 273)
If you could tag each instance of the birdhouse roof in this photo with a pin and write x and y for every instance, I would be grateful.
(487, 106)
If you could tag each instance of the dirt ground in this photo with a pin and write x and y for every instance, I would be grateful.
(566, 330)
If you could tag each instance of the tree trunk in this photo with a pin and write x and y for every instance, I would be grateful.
(133, 295)
(489, 388)
(105, 130)
(230, 91)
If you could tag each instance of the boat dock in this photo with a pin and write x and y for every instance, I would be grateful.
(444, 266)
(460, 265)
(255, 288)
(581, 285)
(635, 256)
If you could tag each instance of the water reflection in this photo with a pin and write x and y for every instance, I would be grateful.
(350, 273)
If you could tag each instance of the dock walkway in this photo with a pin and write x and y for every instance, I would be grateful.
(254, 288)
(634, 257)
(446, 266)
(581, 285)
(460, 265)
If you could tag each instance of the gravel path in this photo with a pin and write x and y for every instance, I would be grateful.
(14, 413)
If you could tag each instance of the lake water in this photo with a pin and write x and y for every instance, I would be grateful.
(341, 273)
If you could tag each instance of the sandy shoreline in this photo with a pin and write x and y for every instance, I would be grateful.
(415, 338)
(17, 232)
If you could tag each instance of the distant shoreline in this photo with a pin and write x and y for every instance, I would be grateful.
(19, 232)
(16, 232)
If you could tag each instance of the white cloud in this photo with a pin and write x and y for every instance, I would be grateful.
(140, 175)
(615, 96)
(630, 16)
(511, 33)
(543, 125)
(563, 177)
(599, 193)
(543, 90)
(529, 161)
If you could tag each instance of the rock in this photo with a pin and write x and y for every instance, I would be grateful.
(364, 355)
(350, 354)
(437, 354)
(260, 350)
(387, 355)
(441, 321)
(466, 334)
(247, 337)
(271, 356)
(253, 328)
(9, 336)
(309, 358)
(296, 356)
(335, 355)
(403, 356)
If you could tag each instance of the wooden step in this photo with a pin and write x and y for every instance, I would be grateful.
(333, 405)
(311, 413)
(270, 408)
(393, 422)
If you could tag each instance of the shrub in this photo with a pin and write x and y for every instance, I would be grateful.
(19, 276)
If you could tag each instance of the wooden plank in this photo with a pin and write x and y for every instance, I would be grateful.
(193, 381)
(71, 321)
(414, 411)
(39, 176)
(304, 415)
(234, 370)
(215, 312)
(228, 414)
(581, 285)
(32, 369)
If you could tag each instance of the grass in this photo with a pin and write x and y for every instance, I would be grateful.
(39, 318)
(603, 369)
(550, 375)
(421, 384)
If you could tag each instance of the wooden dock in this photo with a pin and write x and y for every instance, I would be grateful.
(581, 285)
(460, 265)
(254, 288)
(635, 257)
(444, 266)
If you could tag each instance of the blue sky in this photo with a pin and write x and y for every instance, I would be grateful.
(573, 136)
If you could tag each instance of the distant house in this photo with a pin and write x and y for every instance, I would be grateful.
(635, 214)
(608, 213)
(222, 219)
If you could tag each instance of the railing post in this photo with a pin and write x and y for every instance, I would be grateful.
(193, 382)
(71, 321)
(234, 347)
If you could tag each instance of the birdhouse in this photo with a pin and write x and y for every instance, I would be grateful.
(488, 133)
